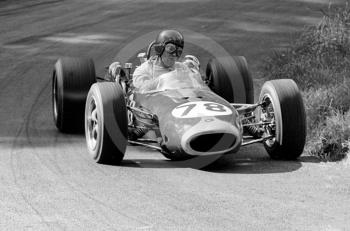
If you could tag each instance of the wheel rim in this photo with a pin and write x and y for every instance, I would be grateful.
(54, 97)
(268, 115)
(93, 132)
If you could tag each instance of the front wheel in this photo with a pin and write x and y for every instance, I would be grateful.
(106, 123)
(283, 108)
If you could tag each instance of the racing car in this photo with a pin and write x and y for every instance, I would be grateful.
(182, 119)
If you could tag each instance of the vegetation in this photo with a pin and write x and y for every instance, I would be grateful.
(319, 61)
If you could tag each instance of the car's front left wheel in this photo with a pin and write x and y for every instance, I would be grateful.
(283, 109)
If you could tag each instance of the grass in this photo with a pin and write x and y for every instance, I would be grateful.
(319, 61)
(332, 141)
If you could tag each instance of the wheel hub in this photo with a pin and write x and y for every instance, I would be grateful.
(92, 125)
(268, 115)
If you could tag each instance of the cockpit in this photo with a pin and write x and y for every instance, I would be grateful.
(179, 79)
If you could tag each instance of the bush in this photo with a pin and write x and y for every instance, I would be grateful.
(332, 140)
(319, 61)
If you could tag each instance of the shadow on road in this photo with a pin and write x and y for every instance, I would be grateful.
(250, 160)
(258, 165)
(223, 165)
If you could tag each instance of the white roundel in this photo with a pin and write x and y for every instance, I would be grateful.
(200, 109)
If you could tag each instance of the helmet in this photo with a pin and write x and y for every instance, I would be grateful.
(165, 37)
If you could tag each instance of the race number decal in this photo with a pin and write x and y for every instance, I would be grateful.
(200, 109)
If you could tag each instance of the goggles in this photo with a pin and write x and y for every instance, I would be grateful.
(173, 49)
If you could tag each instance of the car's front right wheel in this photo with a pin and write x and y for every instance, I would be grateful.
(106, 123)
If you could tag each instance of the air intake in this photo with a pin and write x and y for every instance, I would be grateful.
(215, 142)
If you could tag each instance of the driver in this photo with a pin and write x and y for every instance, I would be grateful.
(168, 48)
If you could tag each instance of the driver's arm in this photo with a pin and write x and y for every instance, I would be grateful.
(143, 79)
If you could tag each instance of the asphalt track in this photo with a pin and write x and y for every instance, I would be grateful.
(47, 180)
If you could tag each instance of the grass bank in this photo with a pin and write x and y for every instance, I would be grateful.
(319, 61)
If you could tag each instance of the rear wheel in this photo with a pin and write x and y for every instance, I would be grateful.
(283, 106)
(71, 81)
(230, 79)
(106, 123)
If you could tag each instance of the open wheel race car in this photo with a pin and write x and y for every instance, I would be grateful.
(182, 120)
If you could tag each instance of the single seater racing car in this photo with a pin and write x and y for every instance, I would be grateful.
(184, 118)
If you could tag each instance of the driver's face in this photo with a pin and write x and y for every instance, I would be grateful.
(169, 59)
(171, 54)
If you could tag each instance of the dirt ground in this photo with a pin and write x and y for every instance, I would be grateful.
(47, 180)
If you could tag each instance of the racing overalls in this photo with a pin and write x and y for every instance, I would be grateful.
(145, 77)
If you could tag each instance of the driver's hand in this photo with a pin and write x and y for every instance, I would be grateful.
(114, 69)
(192, 62)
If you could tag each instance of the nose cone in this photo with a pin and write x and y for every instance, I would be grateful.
(211, 136)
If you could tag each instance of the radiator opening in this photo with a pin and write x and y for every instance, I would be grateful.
(213, 142)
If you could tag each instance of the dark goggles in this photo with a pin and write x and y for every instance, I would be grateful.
(173, 49)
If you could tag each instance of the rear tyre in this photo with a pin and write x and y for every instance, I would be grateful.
(71, 81)
(283, 104)
(106, 123)
(230, 79)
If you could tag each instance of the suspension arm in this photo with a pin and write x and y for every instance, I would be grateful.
(141, 111)
(257, 140)
(244, 108)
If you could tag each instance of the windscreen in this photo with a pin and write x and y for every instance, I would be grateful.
(180, 79)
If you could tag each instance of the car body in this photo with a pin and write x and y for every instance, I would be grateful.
(191, 119)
